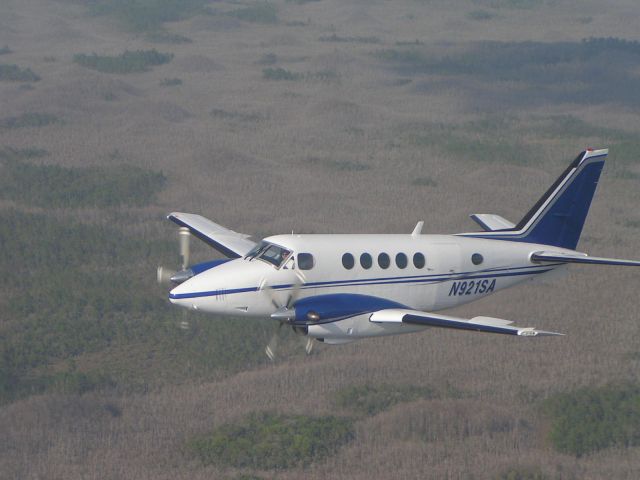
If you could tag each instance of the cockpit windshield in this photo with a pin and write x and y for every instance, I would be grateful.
(269, 252)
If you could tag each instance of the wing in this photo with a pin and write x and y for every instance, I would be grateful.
(476, 324)
(229, 243)
(580, 258)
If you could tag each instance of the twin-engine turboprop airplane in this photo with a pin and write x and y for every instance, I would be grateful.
(340, 288)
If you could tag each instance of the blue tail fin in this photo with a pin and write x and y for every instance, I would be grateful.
(558, 217)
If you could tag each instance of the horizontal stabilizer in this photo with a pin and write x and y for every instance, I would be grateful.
(477, 324)
(542, 257)
(491, 222)
(229, 243)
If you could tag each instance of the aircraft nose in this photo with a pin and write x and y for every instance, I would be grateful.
(184, 294)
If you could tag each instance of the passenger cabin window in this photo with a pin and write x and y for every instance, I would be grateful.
(348, 261)
(305, 261)
(366, 261)
(270, 253)
(477, 259)
(418, 260)
(383, 260)
(401, 260)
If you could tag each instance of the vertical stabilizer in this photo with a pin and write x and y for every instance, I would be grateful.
(558, 217)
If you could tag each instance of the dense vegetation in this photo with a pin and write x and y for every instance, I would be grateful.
(31, 119)
(339, 39)
(590, 419)
(424, 182)
(273, 441)
(339, 165)
(514, 4)
(9, 153)
(163, 36)
(61, 308)
(170, 82)
(85, 288)
(279, 73)
(127, 62)
(13, 73)
(56, 186)
(146, 15)
(459, 144)
(595, 70)
(235, 116)
(502, 138)
(262, 12)
(524, 473)
(372, 399)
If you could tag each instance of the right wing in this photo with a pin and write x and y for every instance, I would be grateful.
(229, 243)
(477, 324)
(576, 257)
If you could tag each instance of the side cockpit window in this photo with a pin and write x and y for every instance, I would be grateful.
(275, 255)
(305, 261)
(255, 251)
(268, 252)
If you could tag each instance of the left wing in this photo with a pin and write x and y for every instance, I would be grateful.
(477, 324)
(229, 243)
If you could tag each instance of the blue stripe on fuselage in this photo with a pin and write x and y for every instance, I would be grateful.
(418, 280)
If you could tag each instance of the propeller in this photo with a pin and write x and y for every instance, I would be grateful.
(165, 275)
(184, 237)
(270, 349)
(285, 314)
(309, 346)
(293, 295)
(168, 276)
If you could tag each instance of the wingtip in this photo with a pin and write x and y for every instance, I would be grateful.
(532, 332)
(551, 334)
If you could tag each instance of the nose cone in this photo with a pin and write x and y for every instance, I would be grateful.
(226, 289)
(205, 291)
(185, 294)
(181, 291)
(195, 289)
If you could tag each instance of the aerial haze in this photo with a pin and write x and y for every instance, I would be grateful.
(312, 116)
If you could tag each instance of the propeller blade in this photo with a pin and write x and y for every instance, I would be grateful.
(164, 275)
(295, 291)
(184, 236)
(184, 323)
(309, 346)
(270, 292)
(270, 349)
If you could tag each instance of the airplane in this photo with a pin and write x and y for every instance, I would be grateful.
(338, 288)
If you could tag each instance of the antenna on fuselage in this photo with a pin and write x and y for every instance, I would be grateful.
(418, 229)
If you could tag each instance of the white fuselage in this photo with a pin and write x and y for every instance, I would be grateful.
(449, 277)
